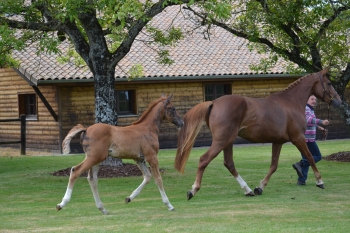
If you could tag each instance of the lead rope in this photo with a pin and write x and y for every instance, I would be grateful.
(325, 131)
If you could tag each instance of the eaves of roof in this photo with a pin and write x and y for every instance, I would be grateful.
(204, 78)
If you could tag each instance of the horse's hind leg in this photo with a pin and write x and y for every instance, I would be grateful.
(204, 160)
(93, 179)
(276, 151)
(146, 179)
(159, 182)
(75, 172)
(230, 165)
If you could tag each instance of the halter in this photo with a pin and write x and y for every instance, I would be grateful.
(324, 90)
(325, 131)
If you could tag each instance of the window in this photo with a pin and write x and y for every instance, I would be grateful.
(214, 91)
(125, 100)
(27, 104)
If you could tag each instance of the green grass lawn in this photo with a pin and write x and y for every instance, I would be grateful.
(29, 194)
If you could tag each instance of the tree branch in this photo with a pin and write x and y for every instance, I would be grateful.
(134, 30)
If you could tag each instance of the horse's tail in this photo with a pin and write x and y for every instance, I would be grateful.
(194, 119)
(65, 144)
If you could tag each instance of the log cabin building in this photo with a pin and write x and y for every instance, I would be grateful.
(55, 96)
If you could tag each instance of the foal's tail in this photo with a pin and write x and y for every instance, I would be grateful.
(194, 119)
(65, 144)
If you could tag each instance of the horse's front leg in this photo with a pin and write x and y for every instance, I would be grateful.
(276, 150)
(302, 147)
(230, 165)
(146, 179)
(159, 183)
(92, 178)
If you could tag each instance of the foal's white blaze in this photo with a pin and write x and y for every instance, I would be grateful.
(243, 185)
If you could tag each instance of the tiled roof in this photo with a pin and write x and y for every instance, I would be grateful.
(223, 54)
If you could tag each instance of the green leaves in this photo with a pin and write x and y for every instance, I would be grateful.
(136, 71)
(54, 21)
(165, 40)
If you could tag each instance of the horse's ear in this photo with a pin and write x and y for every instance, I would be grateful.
(168, 99)
(325, 70)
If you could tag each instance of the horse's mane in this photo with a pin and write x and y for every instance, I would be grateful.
(149, 108)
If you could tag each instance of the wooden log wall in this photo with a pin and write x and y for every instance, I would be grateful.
(43, 133)
(75, 105)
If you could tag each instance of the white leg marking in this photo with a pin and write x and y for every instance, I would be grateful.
(262, 186)
(319, 182)
(66, 197)
(159, 183)
(165, 199)
(146, 180)
(93, 181)
(243, 185)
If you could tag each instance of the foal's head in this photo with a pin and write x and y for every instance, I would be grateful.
(324, 89)
(170, 113)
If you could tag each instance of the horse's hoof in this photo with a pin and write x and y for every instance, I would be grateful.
(58, 207)
(127, 200)
(103, 210)
(250, 194)
(258, 191)
(189, 195)
(321, 186)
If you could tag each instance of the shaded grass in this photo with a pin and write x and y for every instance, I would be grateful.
(29, 194)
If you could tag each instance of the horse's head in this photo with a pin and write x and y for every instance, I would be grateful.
(324, 89)
(170, 113)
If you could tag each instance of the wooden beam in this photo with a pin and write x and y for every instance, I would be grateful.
(46, 103)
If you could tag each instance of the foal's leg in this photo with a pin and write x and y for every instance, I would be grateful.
(92, 178)
(204, 160)
(159, 182)
(146, 179)
(75, 172)
(230, 165)
(302, 147)
(276, 150)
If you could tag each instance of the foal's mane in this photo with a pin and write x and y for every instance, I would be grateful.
(149, 108)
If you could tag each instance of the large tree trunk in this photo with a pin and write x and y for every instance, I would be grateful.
(105, 105)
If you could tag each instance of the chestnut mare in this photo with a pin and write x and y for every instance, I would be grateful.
(276, 119)
(138, 141)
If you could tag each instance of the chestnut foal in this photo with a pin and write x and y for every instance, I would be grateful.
(138, 141)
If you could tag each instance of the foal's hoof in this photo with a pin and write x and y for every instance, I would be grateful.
(58, 207)
(127, 200)
(321, 186)
(258, 191)
(189, 195)
(250, 194)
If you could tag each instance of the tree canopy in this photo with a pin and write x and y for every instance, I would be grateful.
(100, 33)
(308, 35)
